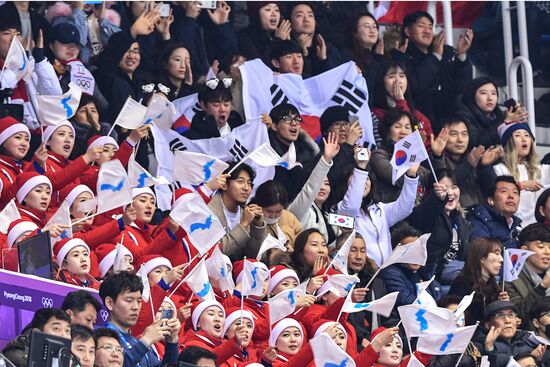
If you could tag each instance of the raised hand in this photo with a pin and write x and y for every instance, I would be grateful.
(92, 155)
(192, 8)
(41, 155)
(269, 355)
(321, 48)
(218, 182)
(385, 337)
(464, 42)
(283, 30)
(519, 115)
(438, 144)
(314, 284)
(155, 332)
(137, 134)
(266, 120)
(331, 147)
(440, 191)
(439, 43)
(304, 40)
(145, 23)
(411, 172)
(163, 25)
(355, 132)
(320, 263)
(175, 274)
(184, 312)
(129, 216)
(490, 155)
(221, 14)
(491, 337)
(359, 294)
(402, 47)
(55, 229)
(175, 326)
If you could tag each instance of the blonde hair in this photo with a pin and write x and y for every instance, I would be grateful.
(511, 160)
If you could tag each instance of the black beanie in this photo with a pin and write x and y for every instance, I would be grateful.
(9, 17)
(332, 115)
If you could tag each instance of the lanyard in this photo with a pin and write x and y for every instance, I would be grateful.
(127, 345)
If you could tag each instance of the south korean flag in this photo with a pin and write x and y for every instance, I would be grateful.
(406, 152)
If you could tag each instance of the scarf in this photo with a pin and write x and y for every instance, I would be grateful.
(534, 276)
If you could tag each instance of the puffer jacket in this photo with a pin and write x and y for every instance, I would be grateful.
(17, 351)
(486, 222)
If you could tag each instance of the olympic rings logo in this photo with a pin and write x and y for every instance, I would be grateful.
(47, 302)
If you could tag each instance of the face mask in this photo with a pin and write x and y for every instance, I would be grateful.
(272, 220)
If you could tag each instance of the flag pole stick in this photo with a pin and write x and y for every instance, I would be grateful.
(182, 279)
(238, 164)
(459, 359)
(432, 168)
(152, 306)
(111, 130)
(342, 309)
(242, 307)
(372, 279)
(84, 219)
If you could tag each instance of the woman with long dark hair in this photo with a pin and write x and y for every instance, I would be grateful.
(365, 47)
(175, 71)
(483, 263)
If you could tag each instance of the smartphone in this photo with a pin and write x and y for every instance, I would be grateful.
(341, 220)
(164, 10)
(510, 103)
(353, 119)
(363, 154)
(167, 314)
(208, 4)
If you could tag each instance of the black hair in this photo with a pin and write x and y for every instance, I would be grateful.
(271, 193)
(281, 110)
(539, 307)
(114, 285)
(83, 333)
(523, 355)
(43, 315)
(492, 191)
(302, 269)
(534, 232)
(285, 47)
(401, 231)
(242, 167)
(391, 117)
(293, 5)
(78, 300)
(449, 299)
(218, 94)
(541, 202)
(449, 121)
(167, 51)
(380, 93)
(193, 355)
(228, 60)
(441, 173)
(104, 332)
(411, 18)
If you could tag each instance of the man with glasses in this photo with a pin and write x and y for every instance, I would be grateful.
(286, 129)
(533, 282)
(500, 339)
(109, 352)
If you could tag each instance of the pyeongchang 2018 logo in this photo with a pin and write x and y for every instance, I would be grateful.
(18, 297)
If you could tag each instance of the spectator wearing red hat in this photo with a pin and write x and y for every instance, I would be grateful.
(14, 146)
(208, 318)
(253, 303)
(72, 255)
(247, 353)
(160, 274)
(17, 231)
(140, 238)
(106, 256)
(110, 150)
(390, 352)
(33, 195)
(290, 340)
(331, 302)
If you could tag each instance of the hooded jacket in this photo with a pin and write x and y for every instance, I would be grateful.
(522, 342)
(487, 222)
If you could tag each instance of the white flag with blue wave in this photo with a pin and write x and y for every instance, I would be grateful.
(340, 260)
(62, 216)
(140, 177)
(341, 284)
(218, 272)
(418, 320)
(160, 112)
(327, 354)
(383, 306)
(411, 253)
(9, 214)
(266, 156)
(53, 110)
(113, 187)
(17, 62)
(269, 243)
(131, 115)
(424, 298)
(283, 304)
(203, 228)
(448, 342)
(196, 168)
(143, 275)
(254, 277)
(197, 280)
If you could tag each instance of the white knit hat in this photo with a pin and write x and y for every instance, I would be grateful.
(281, 326)
(234, 316)
(280, 273)
(48, 132)
(142, 190)
(321, 329)
(79, 189)
(201, 307)
(62, 248)
(9, 127)
(101, 141)
(152, 263)
(22, 226)
(29, 184)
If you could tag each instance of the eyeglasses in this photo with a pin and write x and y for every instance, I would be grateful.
(109, 348)
(503, 315)
(135, 51)
(289, 119)
(370, 27)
